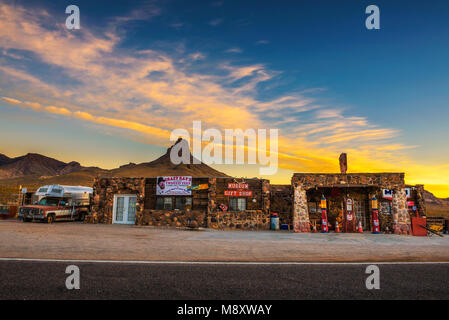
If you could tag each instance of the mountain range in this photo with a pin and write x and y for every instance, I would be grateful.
(33, 170)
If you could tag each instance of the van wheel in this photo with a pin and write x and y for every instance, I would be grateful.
(51, 218)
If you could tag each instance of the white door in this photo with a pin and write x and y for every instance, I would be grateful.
(124, 211)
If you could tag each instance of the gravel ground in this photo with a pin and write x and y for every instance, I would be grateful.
(69, 240)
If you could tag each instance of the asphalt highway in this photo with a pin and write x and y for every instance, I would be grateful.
(119, 280)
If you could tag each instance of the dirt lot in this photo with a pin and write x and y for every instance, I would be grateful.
(114, 242)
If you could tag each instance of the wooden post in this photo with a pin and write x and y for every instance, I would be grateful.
(19, 198)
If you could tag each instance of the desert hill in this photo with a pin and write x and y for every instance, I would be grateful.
(32, 164)
(34, 170)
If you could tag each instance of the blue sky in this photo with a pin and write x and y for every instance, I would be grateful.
(309, 68)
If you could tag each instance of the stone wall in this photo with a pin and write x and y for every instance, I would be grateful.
(247, 220)
(257, 214)
(420, 201)
(173, 218)
(204, 209)
(281, 202)
(301, 221)
(371, 183)
(381, 180)
(401, 217)
(104, 190)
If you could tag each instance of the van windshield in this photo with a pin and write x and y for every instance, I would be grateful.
(48, 202)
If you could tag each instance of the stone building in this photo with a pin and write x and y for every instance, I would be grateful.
(397, 201)
(227, 203)
(213, 202)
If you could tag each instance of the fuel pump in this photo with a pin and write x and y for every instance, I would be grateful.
(349, 216)
(376, 227)
(324, 224)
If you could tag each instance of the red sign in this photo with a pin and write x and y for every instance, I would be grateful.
(237, 186)
(410, 203)
(238, 193)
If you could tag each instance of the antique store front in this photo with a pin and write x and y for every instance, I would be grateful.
(349, 201)
(183, 201)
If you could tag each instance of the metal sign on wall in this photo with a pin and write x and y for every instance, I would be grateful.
(388, 194)
(174, 186)
(408, 192)
(238, 193)
(237, 186)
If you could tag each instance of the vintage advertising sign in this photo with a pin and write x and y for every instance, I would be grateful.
(199, 187)
(408, 192)
(174, 186)
(387, 194)
(238, 193)
(237, 186)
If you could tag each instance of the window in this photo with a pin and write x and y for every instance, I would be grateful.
(164, 203)
(172, 203)
(49, 202)
(132, 209)
(56, 190)
(181, 202)
(168, 203)
(120, 208)
(237, 204)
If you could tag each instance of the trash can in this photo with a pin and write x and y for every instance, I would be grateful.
(274, 221)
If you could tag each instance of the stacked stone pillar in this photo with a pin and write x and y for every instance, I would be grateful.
(401, 217)
(301, 221)
(421, 203)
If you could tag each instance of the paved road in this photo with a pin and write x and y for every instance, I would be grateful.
(46, 280)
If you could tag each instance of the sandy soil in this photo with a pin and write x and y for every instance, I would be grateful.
(69, 240)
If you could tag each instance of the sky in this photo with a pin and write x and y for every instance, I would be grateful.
(111, 92)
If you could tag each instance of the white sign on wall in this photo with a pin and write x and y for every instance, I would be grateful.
(388, 194)
(408, 192)
(174, 186)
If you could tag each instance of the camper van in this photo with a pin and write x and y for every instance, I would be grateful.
(56, 202)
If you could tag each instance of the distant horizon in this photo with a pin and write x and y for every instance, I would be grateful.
(216, 167)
